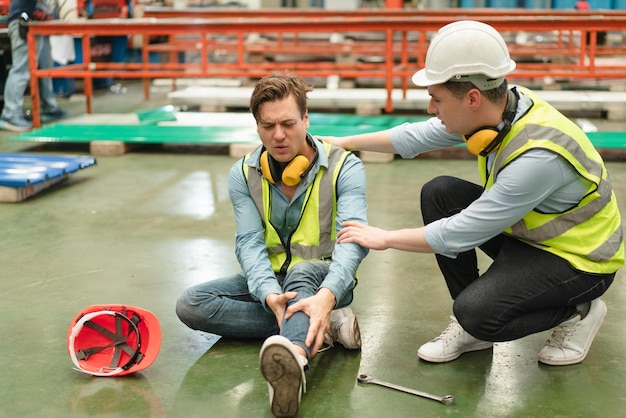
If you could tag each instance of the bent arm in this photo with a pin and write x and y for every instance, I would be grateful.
(250, 247)
(351, 205)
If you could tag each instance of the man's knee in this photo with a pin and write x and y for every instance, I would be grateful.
(474, 318)
(437, 186)
(307, 270)
(300, 268)
(194, 307)
(305, 277)
(184, 308)
(432, 196)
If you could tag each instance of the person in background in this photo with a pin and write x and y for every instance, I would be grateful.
(20, 13)
(544, 212)
(290, 196)
(582, 5)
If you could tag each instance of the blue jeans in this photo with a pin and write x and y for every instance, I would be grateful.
(226, 307)
(524, 291)
(19, 75)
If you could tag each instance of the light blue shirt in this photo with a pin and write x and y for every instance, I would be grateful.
(538, 179)
(250, 247)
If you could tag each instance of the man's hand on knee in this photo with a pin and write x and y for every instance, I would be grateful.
(317, 308)
(278, 304)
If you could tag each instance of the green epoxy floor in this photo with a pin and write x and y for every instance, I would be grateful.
(139, 228)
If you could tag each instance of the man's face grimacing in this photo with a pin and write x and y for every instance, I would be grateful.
(282, 129)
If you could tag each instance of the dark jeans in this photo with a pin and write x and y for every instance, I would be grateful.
(525, 290)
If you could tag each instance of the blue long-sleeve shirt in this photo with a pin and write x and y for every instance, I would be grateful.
(36, 9)
(250, 246)
(538, 179)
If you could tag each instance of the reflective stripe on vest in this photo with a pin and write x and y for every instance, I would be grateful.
(314, 236)
(588, 235)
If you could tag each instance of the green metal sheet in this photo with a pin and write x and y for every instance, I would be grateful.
(141, 134)
(380, 121)
(608, 140)
(148, 132)
(154, 116)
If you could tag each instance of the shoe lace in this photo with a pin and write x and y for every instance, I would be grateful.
(452, 331)
(560, 334)
(327, 344)
(333, 334)
(333, 330)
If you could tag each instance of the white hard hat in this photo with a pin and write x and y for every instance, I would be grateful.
(466, 51)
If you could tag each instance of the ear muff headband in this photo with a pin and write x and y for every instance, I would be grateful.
(487, 139)
(291, 174)
(104, 370)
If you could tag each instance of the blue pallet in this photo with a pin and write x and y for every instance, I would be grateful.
(23, 170)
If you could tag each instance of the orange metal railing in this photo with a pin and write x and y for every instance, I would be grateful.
(453, 13)
(385, 48)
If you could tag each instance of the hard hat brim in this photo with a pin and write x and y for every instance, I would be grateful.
(420, 79)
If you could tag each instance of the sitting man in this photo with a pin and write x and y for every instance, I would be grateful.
(290, 197)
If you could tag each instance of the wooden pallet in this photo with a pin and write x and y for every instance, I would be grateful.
(17, 194)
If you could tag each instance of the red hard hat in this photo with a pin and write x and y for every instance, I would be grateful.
(113, 340)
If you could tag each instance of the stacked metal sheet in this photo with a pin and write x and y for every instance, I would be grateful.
(23, 175)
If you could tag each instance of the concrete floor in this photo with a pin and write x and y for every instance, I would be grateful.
(139, 228)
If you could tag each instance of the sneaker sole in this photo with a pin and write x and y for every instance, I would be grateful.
(592, 336)
(15, 128)
(48, 118)
(454, 356)
(283, 372)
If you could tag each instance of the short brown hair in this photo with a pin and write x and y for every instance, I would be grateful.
(458, 89)
(277, 87)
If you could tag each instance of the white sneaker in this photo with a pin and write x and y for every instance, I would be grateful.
(452, 342)
(344, 329)
(283, 368)
(570, 341)
(16, 124)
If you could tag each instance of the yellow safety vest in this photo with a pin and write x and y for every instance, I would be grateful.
(588, 235)
(314, 236)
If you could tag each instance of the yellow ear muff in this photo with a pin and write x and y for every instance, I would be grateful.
(291, 175)
(480, 140)
(294, 170)
(487, 139)
(266, 167)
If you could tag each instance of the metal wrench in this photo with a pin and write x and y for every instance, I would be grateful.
(366, 378)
